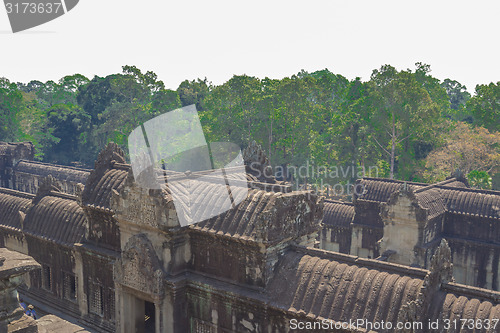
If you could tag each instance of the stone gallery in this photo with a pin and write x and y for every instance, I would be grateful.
(112, 256)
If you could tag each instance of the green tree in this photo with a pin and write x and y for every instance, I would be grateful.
(194, 92)
(479, 179)
(457, 93)
(67, 88)
(231, 111)
(458, 96)
(33, 85)
(148, 80)
(66, 123)
(296, 114)
(404, 110)
(119, 103)
(11, 101)
(433, 86)
(34, 126)
(485, 106)
(165, 100)
(97, 95)
(354, 143)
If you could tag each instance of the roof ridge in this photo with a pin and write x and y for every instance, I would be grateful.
(468, 189)
(444, 182)
(397, 181)
(441, 185)
(468, 290)
(54, 165)
(362, 262)
(339, 202)
(121, 166)
(16, 193)
(62, 195)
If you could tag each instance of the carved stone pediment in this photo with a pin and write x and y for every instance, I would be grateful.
(139, 267)
(257, 163)
(141, 206)
(105, 160)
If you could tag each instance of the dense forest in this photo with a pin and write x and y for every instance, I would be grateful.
(406, 123)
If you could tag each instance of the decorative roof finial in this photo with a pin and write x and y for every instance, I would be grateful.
(47, 184)
(257, 163)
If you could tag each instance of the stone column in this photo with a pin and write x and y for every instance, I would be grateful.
(80, 278)
(157, 316)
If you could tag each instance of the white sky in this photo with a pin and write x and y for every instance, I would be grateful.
(181, 40)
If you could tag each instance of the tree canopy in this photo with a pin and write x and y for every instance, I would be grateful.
(405, 123)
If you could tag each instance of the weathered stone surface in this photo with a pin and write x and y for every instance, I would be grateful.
(13, 265)
(10, 154)
(408, 220)
(27, 176)
(25, 324)
(251, 269)
(54, 324)
(139, 267)
(105, 177)
(257, 163)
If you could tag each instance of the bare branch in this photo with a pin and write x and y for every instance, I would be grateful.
(403, 139)
(490, 169)
(381, 146)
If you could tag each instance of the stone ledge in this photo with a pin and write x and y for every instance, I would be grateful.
(54, 324)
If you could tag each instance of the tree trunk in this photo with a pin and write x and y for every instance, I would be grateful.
(393, 144)
(270, 141)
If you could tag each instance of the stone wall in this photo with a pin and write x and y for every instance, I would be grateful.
(10, 154)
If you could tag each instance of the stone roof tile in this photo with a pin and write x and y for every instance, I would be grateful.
(58, 218)
(466, 201)
(266, 217)
(456, 199)
(337, 213)
(340, 290)
(11, 203)
(432, 201)
(98, 191)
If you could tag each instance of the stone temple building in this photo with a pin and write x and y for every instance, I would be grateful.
(114, 258)
(403, 222)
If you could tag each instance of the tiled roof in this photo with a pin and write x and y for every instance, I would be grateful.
(6, 148)
(473, 202)
(338, 213)
(262, 216)
(242, 222)
(11, 203)
(432, 201)
(379, 189)
(109, 174)
(98, 190)
(459, 301)
(339, 288)
(455, 197)
(326, 285)
(56, 217)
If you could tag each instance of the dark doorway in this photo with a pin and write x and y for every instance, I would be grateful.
(149, 317)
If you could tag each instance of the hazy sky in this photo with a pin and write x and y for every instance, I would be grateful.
(181, 40)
